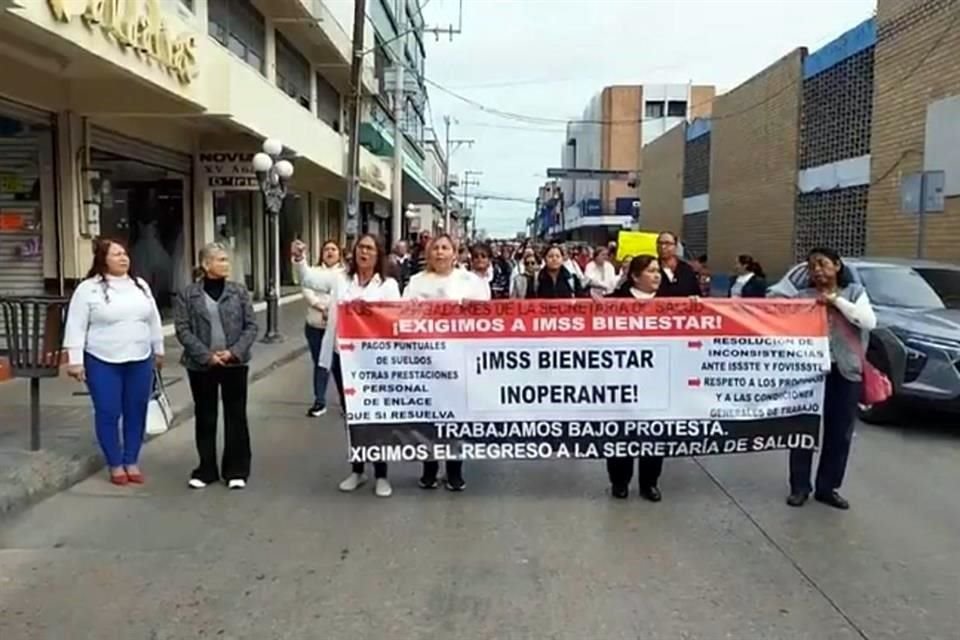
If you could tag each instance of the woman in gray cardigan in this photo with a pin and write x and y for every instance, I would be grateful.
(216, 325)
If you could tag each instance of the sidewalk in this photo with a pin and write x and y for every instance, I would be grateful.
(70, 451)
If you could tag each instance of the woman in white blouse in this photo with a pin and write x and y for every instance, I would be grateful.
(443, 281)
(113, 341)
(642, 283)
(601, 273)
(365, 279)
(318, 310)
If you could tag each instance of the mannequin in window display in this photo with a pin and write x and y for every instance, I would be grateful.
(154, 263)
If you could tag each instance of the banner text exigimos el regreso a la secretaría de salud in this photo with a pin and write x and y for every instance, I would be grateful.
(519, 379)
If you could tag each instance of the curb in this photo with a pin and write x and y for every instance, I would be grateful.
(50, 472)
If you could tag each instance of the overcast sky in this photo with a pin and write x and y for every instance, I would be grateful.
(547, 58)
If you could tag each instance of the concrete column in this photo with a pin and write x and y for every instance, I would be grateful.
(270, 59)
(313, 91)
(69, 136)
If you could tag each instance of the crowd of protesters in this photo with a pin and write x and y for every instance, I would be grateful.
(115, 344)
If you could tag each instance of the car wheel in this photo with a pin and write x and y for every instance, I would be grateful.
(883, 413)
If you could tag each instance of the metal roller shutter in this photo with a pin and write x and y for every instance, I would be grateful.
(21, 239)
(127, 147)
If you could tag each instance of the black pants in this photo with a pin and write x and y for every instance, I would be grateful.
(207, 388)
(431, 468)
(315, 342)
(839, 412)
(649, 468)
(379, 468)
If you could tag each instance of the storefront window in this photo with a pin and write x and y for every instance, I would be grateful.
(26, 187)
(143, 206)
(233, 226)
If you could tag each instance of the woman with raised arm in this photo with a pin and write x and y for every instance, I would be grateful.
(443, 281)
(318, 311)
(364, 279)
(642, 283)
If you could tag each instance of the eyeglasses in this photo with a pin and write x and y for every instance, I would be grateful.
(366, 247)
(665, 243)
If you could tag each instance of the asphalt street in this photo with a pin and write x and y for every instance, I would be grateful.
(532, 550)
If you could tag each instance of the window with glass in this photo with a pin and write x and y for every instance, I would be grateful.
(380, 62)
(237, 25)
(654, 109)
(293, 72)
(233, 227)
(677, 108)
(328, 103)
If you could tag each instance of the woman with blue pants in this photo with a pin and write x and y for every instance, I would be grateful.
(113, 341)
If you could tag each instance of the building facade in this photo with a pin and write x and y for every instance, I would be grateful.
(915, 124)
(138, 121)
(815, 149)
(616, 125)
(397, 36)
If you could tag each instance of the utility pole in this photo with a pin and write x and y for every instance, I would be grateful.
(466, 198)
(396, 221)
(356, 114)
(450, 146)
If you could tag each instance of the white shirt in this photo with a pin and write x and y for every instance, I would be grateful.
(342, 287)
(319, 301)
(113, 320)
(605, 276)
(641, 295)
(459, 284)
(737, 289)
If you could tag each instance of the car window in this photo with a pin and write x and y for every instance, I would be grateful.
(946, 283)
(899, 287)
(799, 277)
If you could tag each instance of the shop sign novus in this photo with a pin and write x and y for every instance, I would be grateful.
(138, 24)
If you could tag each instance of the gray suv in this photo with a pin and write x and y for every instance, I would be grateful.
(917, 339)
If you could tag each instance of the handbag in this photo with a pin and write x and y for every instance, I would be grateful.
(159, 412)
(876, 387)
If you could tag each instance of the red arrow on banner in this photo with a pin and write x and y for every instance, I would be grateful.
(347, 346)
(349, 391)
(695, 344)
(693, 382)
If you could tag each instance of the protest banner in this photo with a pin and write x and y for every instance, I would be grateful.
(546, 379)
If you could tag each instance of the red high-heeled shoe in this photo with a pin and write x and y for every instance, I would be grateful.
(135, 477)
(120, 479)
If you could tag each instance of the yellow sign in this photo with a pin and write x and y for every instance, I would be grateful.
(137, 24)
(636, 243)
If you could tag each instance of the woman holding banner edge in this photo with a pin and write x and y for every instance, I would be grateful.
(364, 279)
(642, 283)
(851, 318)
(443, 281)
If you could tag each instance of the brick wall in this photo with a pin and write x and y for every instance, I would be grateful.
(661, 183)
(701, 100)
(754, 158)
(915, 63)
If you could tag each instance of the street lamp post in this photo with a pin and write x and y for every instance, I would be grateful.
(273, 174)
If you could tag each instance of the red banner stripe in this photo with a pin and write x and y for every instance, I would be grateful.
(677, 317)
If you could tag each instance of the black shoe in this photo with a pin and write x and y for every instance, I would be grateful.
(797, 499)
(316, 410)
(833, 499)
(651, 493)
(427, 483)
(620, 491)
(455, 483)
